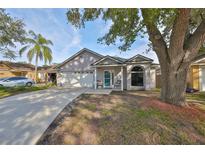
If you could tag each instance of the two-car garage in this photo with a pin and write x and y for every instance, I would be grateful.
(75, 79)
(76, 71)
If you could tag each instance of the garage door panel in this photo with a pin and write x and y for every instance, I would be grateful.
(76, 79)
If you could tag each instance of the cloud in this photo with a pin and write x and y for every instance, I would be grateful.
(51, 23)
(105, 26)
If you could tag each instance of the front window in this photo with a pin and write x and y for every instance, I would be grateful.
(137, 76)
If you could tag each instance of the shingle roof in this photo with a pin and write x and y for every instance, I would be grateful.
(18, 65)
(199, 57)
(119, 58)
(21, 66)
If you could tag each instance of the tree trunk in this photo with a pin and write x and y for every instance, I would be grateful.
(176, 55)
(36, 69)
(174, 82)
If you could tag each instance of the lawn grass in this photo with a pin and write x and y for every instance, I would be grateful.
(128, 118)
(197, 96)
(9, 91)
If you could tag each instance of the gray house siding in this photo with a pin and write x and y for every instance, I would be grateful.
(80, 63)
(77, 71)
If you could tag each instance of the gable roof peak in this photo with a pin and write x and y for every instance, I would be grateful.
(108, 57)
(78, 53)
(140, 56)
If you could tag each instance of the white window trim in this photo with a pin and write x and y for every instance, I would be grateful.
(137, 72)
(111, 84)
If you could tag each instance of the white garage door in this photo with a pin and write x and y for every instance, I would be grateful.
(71, 79)
(203, 79)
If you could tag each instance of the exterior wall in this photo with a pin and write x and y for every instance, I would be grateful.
(31, 75)
(125, 77)
(4, 71)
(80, 63)
(116, 70)
(153, 78)
(189, 78)
(4, 74)
(195, 76)
(147, 78)
(158, 80)
(42, 76)
(202, 77)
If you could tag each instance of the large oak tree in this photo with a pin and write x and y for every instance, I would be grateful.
(176, 35)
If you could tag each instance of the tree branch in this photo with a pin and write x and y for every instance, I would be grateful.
(179, 30)
(155, 36)
(196, 40)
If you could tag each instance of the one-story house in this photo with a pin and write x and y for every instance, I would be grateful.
(11, 69)
(87, 68)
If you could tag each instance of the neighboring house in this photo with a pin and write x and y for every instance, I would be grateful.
(90, 69)
(196, 75)
(10, 69)
(47, 74)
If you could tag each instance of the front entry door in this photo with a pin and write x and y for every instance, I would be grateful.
(107, 79)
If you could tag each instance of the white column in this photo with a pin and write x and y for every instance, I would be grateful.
(122, 78)
(95, 78)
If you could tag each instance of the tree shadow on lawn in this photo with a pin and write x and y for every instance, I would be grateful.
(126, 118)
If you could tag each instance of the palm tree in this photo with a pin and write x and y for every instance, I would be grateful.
(37, 47)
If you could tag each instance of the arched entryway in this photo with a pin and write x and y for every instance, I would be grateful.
(137, 76)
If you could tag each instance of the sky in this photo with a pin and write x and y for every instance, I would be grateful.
(67, 40)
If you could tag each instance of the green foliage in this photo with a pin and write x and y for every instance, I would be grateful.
(91, 107)
(199, 96)
(9, 91)
(128, 24)
(11, 32)
(38, 47)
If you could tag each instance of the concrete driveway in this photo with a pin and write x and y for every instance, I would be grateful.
(24, 117)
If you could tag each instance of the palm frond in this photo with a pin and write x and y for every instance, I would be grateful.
(47, 54)
(44, 41)
(39, 48)
(22, 50)
(30, 41)
(32, 34)
(49, 42)
(40, 55)
(31, 54)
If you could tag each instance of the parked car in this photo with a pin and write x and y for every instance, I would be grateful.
(191, 90)
(16, 81)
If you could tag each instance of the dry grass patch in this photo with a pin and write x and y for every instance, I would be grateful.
(128, 118)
